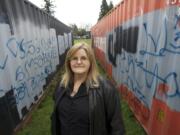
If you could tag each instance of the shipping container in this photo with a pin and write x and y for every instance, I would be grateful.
(138, 43)
(32, 45)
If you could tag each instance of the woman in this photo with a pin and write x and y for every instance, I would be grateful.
(85, 103)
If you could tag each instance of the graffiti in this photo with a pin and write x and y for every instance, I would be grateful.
(33, 82)
(157, 45)
(20, 75)
(136, 89)
(174, 46)
(162, 52)
(171, 76)
(168, 47)
(24, 48)
(173, 2)
(22, 89)
(3, 64)
(19, 91)
(31, 50)
(12, 45)
(40, 60)
(177, 33)
(126, 39)
(152, 41)
(152, 76)
(37, 60)
(48, 69)
(147, 69)
(29, 54)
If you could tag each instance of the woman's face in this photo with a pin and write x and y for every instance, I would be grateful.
(80, 63)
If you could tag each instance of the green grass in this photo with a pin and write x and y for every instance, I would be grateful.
(131, 125)
(88, 41)
(40, 121)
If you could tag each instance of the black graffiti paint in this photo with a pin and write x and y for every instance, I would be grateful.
(122, 39)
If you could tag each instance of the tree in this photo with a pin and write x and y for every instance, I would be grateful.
(110, 5)
(104, 9)
(80, 32)
(49, 7)
(74, 29)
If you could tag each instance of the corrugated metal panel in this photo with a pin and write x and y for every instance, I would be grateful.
(28, 56)
(138, 44)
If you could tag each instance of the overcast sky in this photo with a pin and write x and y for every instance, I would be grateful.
(79, 12)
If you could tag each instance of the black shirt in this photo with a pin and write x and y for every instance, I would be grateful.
(74, 113)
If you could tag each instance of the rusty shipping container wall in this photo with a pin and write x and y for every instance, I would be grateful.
(138, 43)
(31, 45)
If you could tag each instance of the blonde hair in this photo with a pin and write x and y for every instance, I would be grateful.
(92, 76)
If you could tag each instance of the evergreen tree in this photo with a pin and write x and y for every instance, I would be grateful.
(110, 5)
(104, 9)
(75, 29)
(49, 7)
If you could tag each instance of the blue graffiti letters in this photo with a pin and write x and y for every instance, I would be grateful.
(3, 65)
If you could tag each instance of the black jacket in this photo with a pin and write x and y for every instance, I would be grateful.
(105, 112)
